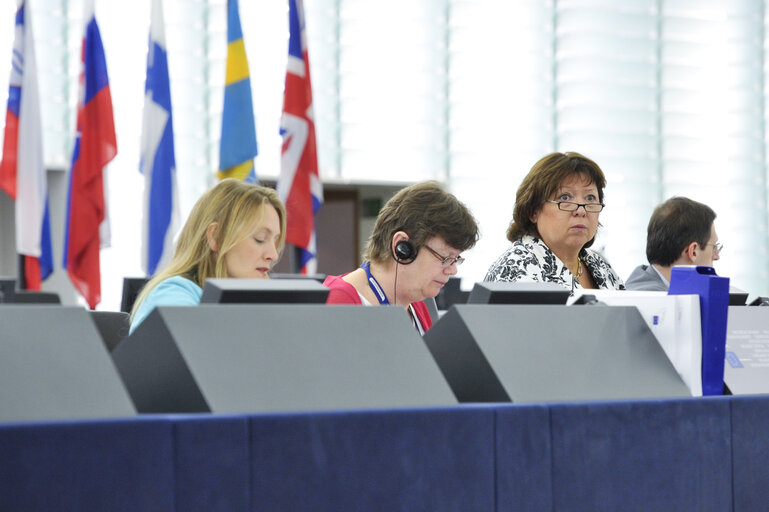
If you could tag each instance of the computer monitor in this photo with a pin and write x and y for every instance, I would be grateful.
(499, 292)
(34, 297)
(132, 286)
(451, 294)
(287, 275)
(7, 289)
(264, 291)
(737, 297)
(10, 295)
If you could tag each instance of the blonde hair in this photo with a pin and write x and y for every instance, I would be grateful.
(232, 204)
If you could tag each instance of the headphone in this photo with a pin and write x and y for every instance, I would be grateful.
(404, 252)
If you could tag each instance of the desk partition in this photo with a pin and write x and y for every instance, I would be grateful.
(746, 370)
(53, 365)
(517, 353)
(261, 358)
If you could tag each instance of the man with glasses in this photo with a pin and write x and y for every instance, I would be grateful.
(680, 232)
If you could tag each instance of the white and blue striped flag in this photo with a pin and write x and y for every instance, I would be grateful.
(158, 163)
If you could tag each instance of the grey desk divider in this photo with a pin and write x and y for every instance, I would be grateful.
(545, 353)
(432, 308)
(112, 326)
(746, 370)
(53, 366)
(265, 357)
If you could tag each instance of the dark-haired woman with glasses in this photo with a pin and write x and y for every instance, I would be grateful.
(555, 221)
(415, 247)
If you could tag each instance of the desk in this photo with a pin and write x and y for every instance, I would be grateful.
(684, 454)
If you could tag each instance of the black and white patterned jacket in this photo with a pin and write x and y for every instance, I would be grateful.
(529, 259)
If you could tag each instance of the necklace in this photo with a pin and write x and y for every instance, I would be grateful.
(579, 267)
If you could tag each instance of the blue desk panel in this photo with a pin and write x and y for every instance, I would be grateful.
(750, 452)
(657, 455)
(524, 458)
(689, 454)
(211, 463)
(375, 461)
(116, 465)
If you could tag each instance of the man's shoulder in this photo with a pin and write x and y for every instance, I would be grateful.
(645, 278)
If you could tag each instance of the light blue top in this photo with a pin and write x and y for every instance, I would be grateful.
(174, 291)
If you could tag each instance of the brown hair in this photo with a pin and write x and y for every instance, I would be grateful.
(423, 211)
(675, 224)
(543, 180)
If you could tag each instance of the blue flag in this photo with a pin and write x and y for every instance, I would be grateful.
(158, 163)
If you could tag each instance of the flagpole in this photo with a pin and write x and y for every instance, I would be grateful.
(296, 259)
(21, 275)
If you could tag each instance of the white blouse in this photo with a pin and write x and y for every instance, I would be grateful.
(528, 259)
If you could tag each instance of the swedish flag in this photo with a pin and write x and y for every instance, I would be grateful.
(237, 147)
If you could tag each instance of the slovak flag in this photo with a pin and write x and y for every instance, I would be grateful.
(299, 185)
(86, 226)
(22, 172)
(158, 163)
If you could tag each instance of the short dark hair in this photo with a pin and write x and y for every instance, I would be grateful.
(541, 183)
(675, 224)
(423, 211)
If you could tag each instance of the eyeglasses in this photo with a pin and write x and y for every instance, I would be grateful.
(718, 246)
(568, 206)
(446, 261)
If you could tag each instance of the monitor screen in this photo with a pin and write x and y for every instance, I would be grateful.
(33, 297)
(264, 291)
(451, 294)
(7, 289)
(498, 292)
(286, 275)
(131, 288)
(737, 297)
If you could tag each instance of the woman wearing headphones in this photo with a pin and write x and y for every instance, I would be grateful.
(414, 249)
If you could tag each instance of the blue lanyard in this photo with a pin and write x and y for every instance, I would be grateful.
(375, 286)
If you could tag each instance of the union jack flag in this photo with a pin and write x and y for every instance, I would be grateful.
(299, 185)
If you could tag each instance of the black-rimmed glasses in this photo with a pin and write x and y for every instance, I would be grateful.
(568, 206)
(446, 261)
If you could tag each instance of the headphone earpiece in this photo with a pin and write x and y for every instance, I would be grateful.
(404, 252)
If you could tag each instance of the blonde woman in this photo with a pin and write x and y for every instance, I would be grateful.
(236, 229)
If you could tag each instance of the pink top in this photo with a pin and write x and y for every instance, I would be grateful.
(342, 292)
